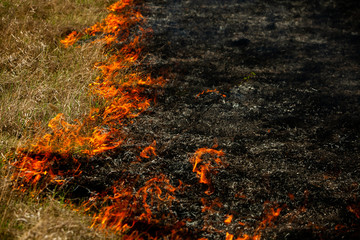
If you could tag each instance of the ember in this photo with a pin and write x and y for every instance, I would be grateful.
(209, 91)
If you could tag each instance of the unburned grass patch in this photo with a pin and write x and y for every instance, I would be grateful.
(24, 216)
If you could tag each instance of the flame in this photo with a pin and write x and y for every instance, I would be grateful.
(149, 151)
(270, 215)
(158, 193)
(120, 5)
(210, 91)
(203, 167)
(229, 236)
(120, 85)
(210, 206)
(228, 219)
(125, 207)
(57, 157)
(71, 39)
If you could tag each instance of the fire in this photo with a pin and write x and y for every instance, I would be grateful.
(157, 192)
(210, 91)
(148, 151)
(123, 207)
(229, 236)
(59, 156)
(270, 216)
(228, 219)
(211, 206)
(71, 39)
(202, 161)
(120, 85)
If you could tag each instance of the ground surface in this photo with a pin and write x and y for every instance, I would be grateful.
(290, 133)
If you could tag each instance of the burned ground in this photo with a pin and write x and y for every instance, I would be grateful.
(289, 123)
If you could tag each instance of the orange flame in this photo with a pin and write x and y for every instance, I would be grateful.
(71, 39)
(228, 219)
(57, 157)
(229, 236)
(125, 207)
(203, 166)
(210, 205)
(270, 215)
(148, 151)
(121, 85)
(158, 192)
(209, 91)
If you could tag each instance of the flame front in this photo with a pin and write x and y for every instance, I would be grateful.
(121, 86)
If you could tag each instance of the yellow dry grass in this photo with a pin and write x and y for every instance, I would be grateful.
(23, 216)
(38, 79)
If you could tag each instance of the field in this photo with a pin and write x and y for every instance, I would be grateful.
(255, 134)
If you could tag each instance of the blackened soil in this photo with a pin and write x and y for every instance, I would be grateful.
(289, 124)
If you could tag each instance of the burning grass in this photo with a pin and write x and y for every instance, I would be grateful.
(134, 209)
(39, 78)
(204, 168)
(122, 89)
(52, 159)
(136, 203)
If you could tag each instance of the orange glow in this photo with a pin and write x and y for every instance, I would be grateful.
(229, 236)
(124, 207)
(339, 227)
(291, 196)
(211, 206)
(228, 219)
(355, 210)
(240, 195)
(245, 237)
(209, 91)
(120, 5)
(202, 161)
(71, 39)
(120, 85)
(270, 215)
(148, 151)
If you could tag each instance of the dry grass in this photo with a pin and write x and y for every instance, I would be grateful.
(26, 217)
(38, 79)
